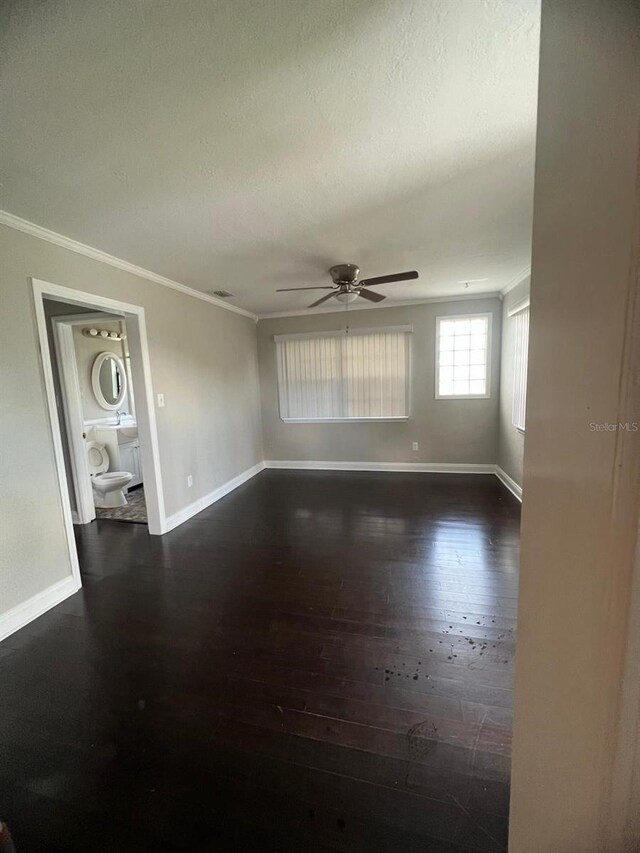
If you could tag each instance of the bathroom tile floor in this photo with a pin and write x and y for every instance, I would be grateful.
(135, 511)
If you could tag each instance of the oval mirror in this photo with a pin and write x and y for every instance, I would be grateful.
(109, 380)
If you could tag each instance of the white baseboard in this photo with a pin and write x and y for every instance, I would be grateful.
(38, 604)
(425, 467)
(509, 482)
(202, 503)
(35, 606)
(428, 467)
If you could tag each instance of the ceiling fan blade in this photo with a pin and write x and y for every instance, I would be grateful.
(321, 300)
(371, 295)
(387, 279)
(285, 289)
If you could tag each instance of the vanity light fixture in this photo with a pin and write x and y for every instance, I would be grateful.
(92, 332)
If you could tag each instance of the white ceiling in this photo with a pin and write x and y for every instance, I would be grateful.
(250, 144)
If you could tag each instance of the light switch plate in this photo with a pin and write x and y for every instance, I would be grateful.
(160, 400)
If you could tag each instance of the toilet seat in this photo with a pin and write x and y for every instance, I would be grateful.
(98, 458)
(113, 475)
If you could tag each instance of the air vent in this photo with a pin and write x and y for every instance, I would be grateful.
(223, 294)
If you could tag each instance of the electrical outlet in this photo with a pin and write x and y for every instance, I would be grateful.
(160, 400)
(190, 481)
(415, 445)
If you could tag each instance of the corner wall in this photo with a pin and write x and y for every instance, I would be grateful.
(510, 439)
(203, 358)
(582, 486)
(447, 431)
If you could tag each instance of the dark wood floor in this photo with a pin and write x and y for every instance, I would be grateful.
(318, 662)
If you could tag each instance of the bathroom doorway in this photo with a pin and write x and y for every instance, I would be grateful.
(101, 408)
(90, 354)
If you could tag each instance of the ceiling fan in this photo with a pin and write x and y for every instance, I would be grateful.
(346, 286)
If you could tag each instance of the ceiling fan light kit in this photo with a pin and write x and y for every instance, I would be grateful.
(346, 297)
(347, 288)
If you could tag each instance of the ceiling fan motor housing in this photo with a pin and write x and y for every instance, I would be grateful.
(344, 273)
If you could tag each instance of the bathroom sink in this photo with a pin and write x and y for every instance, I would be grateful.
(124, 432)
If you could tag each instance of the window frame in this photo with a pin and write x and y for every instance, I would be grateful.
(406, 329)
(488, 315)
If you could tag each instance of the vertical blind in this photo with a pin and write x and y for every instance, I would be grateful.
(341, 376)
(521, 319)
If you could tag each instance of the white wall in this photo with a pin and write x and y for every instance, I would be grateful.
(87, 349)
(510, 439)
(453, 431)
(203, 358)
(55, 309)
(581, 487)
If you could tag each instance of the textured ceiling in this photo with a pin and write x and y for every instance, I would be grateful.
(250, 144)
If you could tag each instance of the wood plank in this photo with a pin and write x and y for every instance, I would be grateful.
(319, 661)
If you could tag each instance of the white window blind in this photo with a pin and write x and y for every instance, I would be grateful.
(462, 356)
(521, 320)
(339, 376)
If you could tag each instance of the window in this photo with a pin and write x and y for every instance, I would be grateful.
(363, 375)
(462, 356)
(520, 316)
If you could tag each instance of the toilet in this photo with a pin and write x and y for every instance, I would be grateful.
(107, 485)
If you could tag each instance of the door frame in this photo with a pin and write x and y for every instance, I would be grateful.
(134, 316)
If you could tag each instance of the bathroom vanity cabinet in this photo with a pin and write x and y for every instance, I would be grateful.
(130, 461)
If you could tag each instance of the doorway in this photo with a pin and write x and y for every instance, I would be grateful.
(75, 487)
(97, 411)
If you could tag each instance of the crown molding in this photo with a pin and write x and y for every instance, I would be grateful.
(27, 227)
(367, 306)
(516, 280)
(34, 230)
